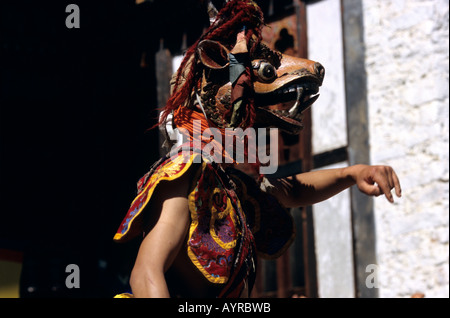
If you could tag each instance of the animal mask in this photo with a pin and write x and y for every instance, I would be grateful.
(284, 86)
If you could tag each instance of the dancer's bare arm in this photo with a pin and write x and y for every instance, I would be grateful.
(316, 186)
(161, 245)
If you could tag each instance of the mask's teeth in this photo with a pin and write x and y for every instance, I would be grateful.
(309, 102)
(292, 89)
(293, 110)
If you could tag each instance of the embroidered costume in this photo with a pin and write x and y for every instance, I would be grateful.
(232, 220)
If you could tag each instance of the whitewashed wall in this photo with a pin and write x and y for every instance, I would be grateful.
(332, 218)
(407, 62)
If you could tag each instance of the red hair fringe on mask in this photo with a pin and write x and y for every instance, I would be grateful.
(229, 21)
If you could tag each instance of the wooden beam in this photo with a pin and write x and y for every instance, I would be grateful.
(307, 164)
(363, 224)
(330, 157)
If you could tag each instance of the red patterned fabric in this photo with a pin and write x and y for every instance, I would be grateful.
(231, 219)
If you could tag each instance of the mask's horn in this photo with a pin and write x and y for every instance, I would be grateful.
(212, 12)
(214, 7)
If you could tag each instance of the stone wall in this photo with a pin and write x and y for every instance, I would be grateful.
(407, 64)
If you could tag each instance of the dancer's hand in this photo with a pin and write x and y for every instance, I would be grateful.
(377, 180)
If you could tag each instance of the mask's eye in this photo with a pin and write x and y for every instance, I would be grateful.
(264, 71)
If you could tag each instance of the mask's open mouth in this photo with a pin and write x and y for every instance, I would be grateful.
(283, 107)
